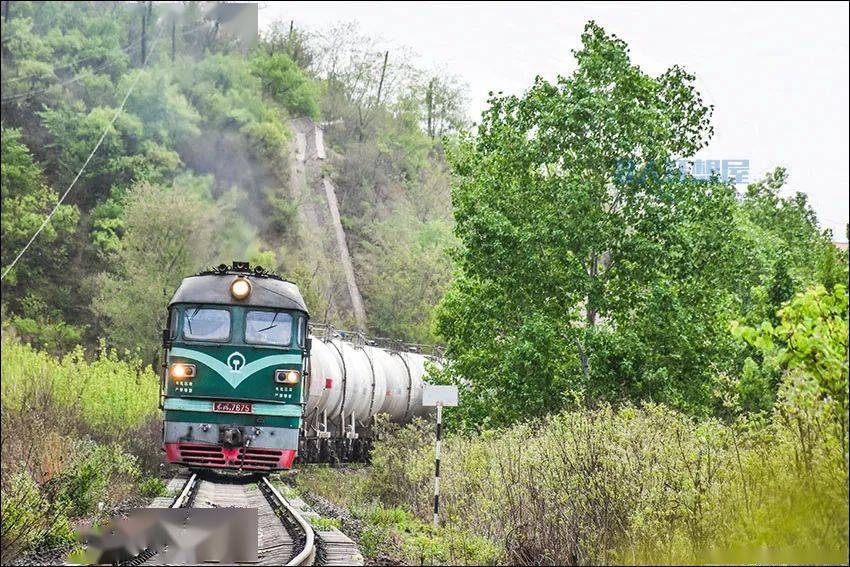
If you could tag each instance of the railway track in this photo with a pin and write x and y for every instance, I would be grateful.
(284, 536)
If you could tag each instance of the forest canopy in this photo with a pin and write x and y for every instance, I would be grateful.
(577, 284)
(205, 135)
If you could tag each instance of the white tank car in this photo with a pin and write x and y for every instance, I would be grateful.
(348, 384)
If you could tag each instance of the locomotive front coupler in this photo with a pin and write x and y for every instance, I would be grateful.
(231, 437)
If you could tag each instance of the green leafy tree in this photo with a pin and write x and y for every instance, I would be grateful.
(283, 36)
(169, 233)
(284, 81)
(807, 345)
(27, 200)
(576, 279)
(810, 337)
(405, 272)
(786, 251)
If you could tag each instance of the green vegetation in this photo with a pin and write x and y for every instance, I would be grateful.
(324, 524)
(579, 282)
(110, 393)
(197, 169)
(77, 436)
(153, 487)
(392, 533)
(653, 368)
(633, 485)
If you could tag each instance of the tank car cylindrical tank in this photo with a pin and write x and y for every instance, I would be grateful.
(348, 384)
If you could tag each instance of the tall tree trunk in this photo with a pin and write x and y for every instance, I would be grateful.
(590, 310)
(585, 361)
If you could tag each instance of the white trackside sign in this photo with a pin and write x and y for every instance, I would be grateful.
(433, 395)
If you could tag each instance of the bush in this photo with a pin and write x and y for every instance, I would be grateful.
(632, 485)
(38, 514)
(324, 524)
(113, 395)
(30, 519)
(55, 338)
(286, 83)
(98, 476)
(67, 427)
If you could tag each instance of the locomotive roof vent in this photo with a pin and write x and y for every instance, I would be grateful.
(239, 268)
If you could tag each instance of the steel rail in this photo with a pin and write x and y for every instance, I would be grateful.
(306, 554)
(181, 499)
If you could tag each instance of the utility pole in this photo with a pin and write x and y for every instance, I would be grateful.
(173, 40)
(381, 82)
(144, 37)
(6, 11)
(292, 47)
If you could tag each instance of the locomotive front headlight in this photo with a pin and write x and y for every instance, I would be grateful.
(182, 371)
(287, 377)
(240, 288)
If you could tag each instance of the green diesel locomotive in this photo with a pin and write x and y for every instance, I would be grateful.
(235, 348)
(245, 387)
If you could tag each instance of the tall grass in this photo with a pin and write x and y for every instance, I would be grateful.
(636, 485)
(77, 437)
(111, 393)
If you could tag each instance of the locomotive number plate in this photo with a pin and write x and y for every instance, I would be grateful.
(232, 407)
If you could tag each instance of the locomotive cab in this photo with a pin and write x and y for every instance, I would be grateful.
(233, 370)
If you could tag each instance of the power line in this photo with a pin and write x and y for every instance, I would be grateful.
(127, 49)
(91, 155)
(28, 94)
(89, 73)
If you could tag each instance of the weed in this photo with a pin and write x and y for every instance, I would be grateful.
(630, 485)
(324, 524)
(153, 487)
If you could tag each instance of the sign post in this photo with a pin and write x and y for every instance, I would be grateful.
(438, 396)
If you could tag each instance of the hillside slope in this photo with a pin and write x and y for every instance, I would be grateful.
(320, 226)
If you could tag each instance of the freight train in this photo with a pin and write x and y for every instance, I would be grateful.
(245, 386)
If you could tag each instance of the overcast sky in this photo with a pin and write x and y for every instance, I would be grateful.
(776, 74)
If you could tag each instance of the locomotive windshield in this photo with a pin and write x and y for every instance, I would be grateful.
(268, 328)
(206, 324)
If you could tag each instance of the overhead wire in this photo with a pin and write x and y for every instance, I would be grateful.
(72, 80)
(91, 155)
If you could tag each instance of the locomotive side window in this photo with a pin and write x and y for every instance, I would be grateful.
(268, 328)
(172, 323)
(206, 324)
(302, 331)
